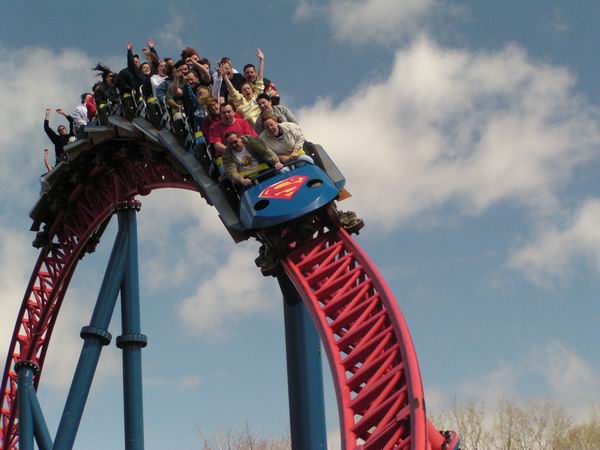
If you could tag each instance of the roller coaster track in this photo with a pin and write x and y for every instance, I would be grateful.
(374, 365)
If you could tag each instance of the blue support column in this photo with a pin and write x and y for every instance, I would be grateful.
(132, 341)
(305, 372)
(31, 418)
(25, 385)
(95, 336)
(41, 433)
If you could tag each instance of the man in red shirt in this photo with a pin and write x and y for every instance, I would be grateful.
(229, 122)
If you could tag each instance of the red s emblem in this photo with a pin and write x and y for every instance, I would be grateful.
(285, 189)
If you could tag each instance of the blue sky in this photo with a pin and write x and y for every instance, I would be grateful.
(469, 134)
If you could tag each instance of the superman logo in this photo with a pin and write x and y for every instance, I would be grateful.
(285, 189)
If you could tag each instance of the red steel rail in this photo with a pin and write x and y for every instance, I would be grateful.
(87, 207)
(374, 365)
(371, 355)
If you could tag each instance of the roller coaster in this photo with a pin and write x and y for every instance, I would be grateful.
(334, 295)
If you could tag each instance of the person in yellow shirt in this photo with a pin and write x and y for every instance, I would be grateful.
(245, 98)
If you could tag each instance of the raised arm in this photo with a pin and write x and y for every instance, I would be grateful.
(130, 62)
(174, 91)
(204, 73)
(230, 87)
(175, 88)
(152, 59)
(261, 64)
(47, 161)
(49, 131)
(150, 43)
(69, 119)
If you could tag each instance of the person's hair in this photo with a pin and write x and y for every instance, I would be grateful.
(169, 71)
(247, 66)
(225, 59)
(136, 56)
(230, 133)
(206, 101)
(227, 104)
(267, 115)
(102, 70)
(84, 95)
(249, 83)
(152, 59)
(204, 61)
(146, 63)
(188, 52)
(179, 63)
(265, 96)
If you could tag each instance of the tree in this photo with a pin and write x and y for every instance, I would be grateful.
(242, 439)
(535, 424)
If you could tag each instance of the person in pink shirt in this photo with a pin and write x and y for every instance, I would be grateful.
(229, 121)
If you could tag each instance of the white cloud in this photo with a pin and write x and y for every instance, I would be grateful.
(16, 260)
(362, 21)
(456, 128)
(180, 237)
(34, 79)
(170, 33)
(553, 252)
(500, 383)
(65, 348)
(569, 377)
(559, 372)
(235, 291)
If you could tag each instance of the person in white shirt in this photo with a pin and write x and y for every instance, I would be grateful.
(158, 78)
(285, 139)
(80, 113)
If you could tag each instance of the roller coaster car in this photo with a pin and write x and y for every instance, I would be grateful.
(285, 209)
(286, 196)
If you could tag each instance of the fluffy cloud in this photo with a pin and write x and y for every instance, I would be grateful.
(559, 371)
(362, 21)
(16, 261)
(34, 79)
(457, 128)
(554, 251)
(180, 237)
(235, 291)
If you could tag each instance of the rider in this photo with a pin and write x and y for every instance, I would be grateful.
(245, 157)
(60, 137)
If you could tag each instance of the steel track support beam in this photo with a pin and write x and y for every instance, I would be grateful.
(31, 419)
(95, 336)
(132, 340)
(25, 384)
(304, 372)
(41, 433)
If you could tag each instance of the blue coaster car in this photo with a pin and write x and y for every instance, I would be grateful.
(286, 196)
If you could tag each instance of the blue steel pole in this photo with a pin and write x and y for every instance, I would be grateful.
(305, 372)
(95, 336)
(42, 435)
(132, 341)
(25, 384)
